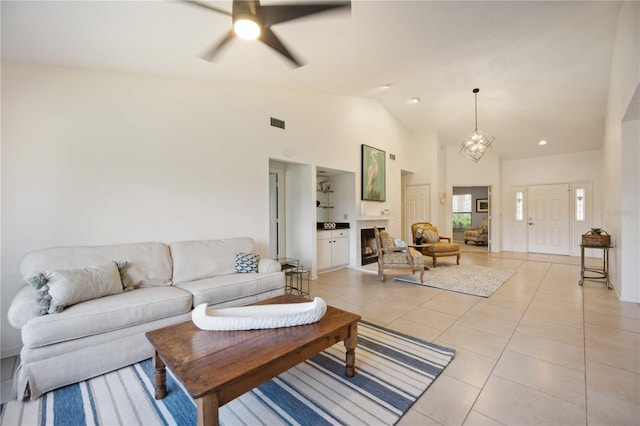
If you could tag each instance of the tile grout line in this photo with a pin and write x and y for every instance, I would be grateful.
(505, 348)
(584, 342)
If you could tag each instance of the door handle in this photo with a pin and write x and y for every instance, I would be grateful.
(531, 223)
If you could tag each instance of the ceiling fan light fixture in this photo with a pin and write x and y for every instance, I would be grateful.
(478, 143)
(246, 28)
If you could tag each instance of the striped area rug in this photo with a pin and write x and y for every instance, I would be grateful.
(392, 371)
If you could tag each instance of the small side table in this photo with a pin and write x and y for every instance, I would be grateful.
(600, 273)
(295, 276)
(297, 280)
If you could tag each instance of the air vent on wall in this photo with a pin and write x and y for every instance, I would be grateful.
(277, 123)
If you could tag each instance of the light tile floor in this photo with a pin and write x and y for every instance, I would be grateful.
(541, 350)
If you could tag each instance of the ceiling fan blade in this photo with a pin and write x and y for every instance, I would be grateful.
(270, 39)
(208, 7)
(210, 54)
(274, 14)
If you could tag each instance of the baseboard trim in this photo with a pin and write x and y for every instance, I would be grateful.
(9, 352)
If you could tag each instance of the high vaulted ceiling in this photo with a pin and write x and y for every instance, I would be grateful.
(543, 68)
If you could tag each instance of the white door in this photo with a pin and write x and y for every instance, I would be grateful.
(415, 208)
(548, 219)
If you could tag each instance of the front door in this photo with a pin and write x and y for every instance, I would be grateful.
(548, 219)
(416, 208)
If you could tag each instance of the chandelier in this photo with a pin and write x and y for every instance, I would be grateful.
(477, 143)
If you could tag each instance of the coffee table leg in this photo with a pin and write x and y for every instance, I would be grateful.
(160, 376)
(350, 344)
(208, 410)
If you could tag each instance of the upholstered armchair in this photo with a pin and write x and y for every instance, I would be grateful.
(478, 234)
(391, 256)
(435, 246)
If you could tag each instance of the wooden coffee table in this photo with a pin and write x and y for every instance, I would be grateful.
(218, 366)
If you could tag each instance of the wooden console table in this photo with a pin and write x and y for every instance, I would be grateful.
(600, 273)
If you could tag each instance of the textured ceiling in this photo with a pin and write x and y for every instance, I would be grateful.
(543, 68)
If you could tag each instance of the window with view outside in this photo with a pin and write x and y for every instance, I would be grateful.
(461, 211)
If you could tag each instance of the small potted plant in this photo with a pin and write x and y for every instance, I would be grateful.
(596, 237)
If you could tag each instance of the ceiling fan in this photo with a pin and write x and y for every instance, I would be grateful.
(251, 21)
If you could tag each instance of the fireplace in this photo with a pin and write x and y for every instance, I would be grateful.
(369, 248)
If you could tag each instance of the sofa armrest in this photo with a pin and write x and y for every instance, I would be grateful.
(23, 307)
(268, 265)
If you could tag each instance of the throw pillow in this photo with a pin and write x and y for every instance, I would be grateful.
(386, 240)
(247, 262)
(58, 289)
(399, 243)
(430, 236)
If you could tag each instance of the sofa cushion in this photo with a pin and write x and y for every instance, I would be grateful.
(104, 315)
(148, 264)
(57, 289)
(197, 260)
(247, 262)
(230, 287)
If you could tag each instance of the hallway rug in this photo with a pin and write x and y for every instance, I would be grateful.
(469, 279)
(392, 371)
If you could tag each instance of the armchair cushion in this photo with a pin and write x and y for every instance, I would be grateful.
(443, 248)
(400, 258)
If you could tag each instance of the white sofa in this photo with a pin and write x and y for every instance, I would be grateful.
(107, 333)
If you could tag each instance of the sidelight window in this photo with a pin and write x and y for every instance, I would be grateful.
(580, 204)
(519, 209)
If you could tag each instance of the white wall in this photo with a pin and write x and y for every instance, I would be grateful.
(625, 79)
(566, 168)
(91, 157)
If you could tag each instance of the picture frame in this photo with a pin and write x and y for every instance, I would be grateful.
(482, 205)
(373, 174)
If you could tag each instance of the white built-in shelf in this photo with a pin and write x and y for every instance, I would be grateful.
(380, 217)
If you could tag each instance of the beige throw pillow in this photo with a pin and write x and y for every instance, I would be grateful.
(57, 289)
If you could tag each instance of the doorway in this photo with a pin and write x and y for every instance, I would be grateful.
(276, 213)
(470, 206)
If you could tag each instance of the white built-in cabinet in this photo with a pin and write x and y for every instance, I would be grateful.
(333, 249)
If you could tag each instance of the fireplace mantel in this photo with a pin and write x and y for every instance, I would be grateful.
(379, 217)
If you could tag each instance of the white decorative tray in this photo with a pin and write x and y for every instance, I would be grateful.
(259, 316)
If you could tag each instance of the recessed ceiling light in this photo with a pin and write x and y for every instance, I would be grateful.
(415, 100)
(542, 142)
